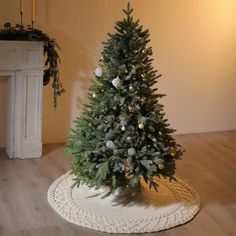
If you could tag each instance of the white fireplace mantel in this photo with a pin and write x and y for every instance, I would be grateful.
(22, 62)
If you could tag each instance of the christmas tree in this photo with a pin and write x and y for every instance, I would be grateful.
(123, 136)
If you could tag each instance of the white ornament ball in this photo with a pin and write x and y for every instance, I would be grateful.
(141, 126)
(116, 82)
(110, 144)
(123, 128)
(94, 95)
(131, 152)
(98, 71)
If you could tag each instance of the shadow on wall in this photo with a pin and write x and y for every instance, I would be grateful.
(80, 40)
(74, 68)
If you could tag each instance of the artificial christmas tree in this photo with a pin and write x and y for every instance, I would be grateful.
(123, 136)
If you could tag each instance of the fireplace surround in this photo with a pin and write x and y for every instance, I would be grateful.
(22, 62)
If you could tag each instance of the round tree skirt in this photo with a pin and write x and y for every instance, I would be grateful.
(174, 204)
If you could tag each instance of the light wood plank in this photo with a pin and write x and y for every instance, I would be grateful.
(208, 165)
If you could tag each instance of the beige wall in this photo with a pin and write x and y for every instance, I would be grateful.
(194, 44)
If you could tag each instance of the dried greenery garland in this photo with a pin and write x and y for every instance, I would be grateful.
(22, 33)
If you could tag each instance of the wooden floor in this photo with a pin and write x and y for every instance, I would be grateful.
(209, 165)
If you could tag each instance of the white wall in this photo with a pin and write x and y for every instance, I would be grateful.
(194, 48)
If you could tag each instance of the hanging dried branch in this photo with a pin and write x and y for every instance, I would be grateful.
(22, 33)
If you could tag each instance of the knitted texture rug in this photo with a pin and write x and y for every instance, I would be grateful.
(174, 204)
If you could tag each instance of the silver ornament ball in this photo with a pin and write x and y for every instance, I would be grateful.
(110, 144)
(131, 152)
(98, 71)
(116, 82)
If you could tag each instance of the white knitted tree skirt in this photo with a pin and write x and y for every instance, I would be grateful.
(174, 204)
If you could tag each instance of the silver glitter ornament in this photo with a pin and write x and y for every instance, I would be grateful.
(131, 152)
(116, 82)
(98, 71)
(110, 144)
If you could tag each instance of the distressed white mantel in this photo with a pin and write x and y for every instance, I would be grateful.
(22, 62)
